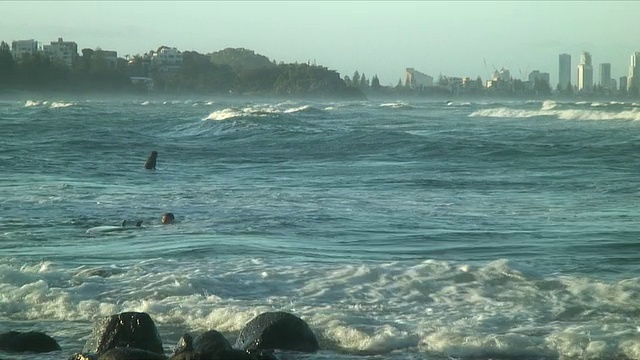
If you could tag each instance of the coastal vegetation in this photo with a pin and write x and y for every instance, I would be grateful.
(238, 71)
(230, 71)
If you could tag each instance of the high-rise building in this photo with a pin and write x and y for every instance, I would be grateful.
(623, 84)
(605, 75)
(564, 71)
(633, 84)
(585, 72)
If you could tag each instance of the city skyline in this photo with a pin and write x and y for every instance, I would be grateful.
(383, 38)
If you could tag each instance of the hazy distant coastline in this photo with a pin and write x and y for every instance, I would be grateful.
(233, 73)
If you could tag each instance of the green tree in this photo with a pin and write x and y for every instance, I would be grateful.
(569, 89)
(479, 83)
(364, 82)
(541, 86)
(355, 80)
(375, 82)
(240, 59)
(7, 65)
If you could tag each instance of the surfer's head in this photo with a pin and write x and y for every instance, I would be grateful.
(167, 218)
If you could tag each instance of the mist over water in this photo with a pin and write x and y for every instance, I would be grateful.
(397, 230)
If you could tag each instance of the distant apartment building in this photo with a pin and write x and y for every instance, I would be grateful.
(414, 79)
(21, 48)
(109, 57)
(167, 59)
(63, 52)
(564, 71)
(502, 75)
(605, 76)
(623, 84)
(633, 83)
(585, 72)
(536, 77)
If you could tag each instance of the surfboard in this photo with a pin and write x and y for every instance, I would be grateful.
(107, 228)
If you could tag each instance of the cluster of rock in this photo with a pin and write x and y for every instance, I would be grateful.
(133, 335)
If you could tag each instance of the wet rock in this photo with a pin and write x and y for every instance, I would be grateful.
(210, 343)
(32, 341)
(184, 349)
(262, 354)
(232, 354)
(125, 330)
(130, 353)
(277, 330)
(79, 356)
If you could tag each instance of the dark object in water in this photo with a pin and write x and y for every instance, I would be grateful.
(130, 354)
(124, 330)
(277, 330)
(151, 161)
(168, 218)
(211, 343)
(32, 341)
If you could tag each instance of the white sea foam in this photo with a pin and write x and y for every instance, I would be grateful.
(549, 109)
(257, 111)
(53, 105)
(60, 104)
(451, 309)
(549, 105)
(396, 105)
(298, 109)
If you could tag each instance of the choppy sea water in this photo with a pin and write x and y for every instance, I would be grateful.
(397, 230)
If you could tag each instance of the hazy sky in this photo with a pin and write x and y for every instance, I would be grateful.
(454, 38)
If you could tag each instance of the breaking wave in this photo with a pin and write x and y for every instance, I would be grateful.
(567, 111)
(457, 310)
(258, 111)
(52, 105)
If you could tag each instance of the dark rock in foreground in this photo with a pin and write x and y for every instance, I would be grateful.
(130, 354)
(125, 330)
(133, 335)
(210, 343)
(32, 341)
(277, 330)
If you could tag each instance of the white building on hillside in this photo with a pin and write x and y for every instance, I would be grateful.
(414, 79)
(167, 59)
(22, 47)
(64, 52)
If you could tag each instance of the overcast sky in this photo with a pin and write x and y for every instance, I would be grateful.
(454, 38)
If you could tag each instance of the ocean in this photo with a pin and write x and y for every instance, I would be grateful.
(396, 229)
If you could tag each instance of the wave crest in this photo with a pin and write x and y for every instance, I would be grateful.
(258, 111)
(550, 109)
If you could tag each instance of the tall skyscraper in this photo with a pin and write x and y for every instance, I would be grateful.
(623, 83)
(605, 75)
(633, 84)
(585, 72)
(564, 70)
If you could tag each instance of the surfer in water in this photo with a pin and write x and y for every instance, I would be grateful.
(167, 218)
(151, 161)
